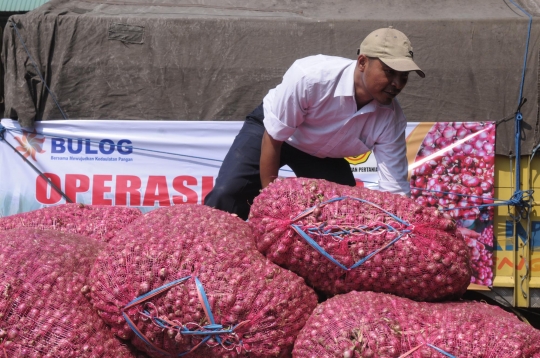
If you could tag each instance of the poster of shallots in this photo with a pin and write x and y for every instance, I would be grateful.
(454, 171)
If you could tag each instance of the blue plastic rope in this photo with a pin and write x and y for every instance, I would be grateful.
(208, 310)
(377, 251)
(157, 290)
(387, 212)
(316, 246)
(517, 199)
(519, 116)
(323, 252)
(441, 351)
(37, 69)
(209, 330)
(142, 337)
(526, 50)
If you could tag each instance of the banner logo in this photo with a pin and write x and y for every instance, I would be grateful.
(359, 159)
(30, 144)
(87, 146)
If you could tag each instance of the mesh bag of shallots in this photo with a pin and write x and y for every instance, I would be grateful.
(369, 324)
(341, 238)
(95, 221)
(187, 280)
(43, 308)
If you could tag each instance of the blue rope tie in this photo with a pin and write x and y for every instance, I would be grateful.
(517, 199)
(209, 331)
(320, 229)
(521, 100)
(526, 51)
(441, 351)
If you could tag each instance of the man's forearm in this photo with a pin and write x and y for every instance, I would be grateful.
(270, 157)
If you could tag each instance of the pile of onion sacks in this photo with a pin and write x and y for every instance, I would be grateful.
(369, 324)
(44, 311)
(176, 274)
(96, 221)
(341, 238)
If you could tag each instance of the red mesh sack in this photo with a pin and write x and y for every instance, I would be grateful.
(43, 311)
(369, 324)
(177, 274)
(341, 238)
(95, 221)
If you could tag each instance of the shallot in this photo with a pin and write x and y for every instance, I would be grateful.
(370, 240)
(197, 249)
(44, 311)
(369, 324)
(95, 221)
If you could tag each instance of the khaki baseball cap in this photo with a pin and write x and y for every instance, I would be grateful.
(391, 47)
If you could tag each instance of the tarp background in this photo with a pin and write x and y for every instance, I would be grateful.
(215, 59)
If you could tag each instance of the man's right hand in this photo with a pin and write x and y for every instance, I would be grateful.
(270, 157)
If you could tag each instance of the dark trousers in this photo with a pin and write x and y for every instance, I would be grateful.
(239, 182)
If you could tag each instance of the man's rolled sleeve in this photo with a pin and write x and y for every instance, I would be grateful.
(393, 174)
(275, 128)
(285, 106)
(393, 166)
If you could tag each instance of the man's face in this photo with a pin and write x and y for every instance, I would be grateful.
(378, 81)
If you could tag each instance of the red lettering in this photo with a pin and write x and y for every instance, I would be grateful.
(505, 261)
(156, 190)
(99, 189)
(128, 184)
(535, 265)
(45, 194)
(189, 195)
(207, 186)
(76, 183)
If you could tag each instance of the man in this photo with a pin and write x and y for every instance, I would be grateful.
(326, 108)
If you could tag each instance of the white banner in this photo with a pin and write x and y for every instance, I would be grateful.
(143, 164)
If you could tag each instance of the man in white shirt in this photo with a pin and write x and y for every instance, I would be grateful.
(325, 109)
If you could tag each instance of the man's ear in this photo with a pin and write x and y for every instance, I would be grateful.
(361, 62)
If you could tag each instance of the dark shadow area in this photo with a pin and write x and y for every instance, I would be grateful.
(530, 315)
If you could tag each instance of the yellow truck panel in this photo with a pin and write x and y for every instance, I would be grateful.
(517, 237)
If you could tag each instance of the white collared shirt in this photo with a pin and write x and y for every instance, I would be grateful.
(314, 110)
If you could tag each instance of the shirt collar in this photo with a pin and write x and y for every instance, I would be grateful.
(374, 106)
(345, 88)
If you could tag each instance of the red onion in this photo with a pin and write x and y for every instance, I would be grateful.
(170, 243)
(43, 309)
(369, 324)
(408, 256)
(95, 221)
